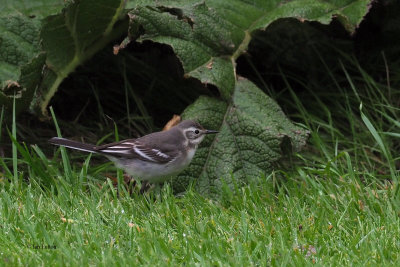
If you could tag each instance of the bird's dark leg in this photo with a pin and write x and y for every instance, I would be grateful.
(130, 183)
(145, 187)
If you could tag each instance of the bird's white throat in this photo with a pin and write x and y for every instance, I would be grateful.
(197, 140)
(190, 153)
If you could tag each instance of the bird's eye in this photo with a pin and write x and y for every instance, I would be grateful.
(196, 131)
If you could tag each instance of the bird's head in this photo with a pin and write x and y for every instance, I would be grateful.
(193, 131)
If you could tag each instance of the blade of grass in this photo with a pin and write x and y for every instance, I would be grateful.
(397, 135)
(5, 167)
(385, 151)
(380, 142)
(64, 155)
(84, 171)
(14, 147)
(138, 101)
(128, 112)
(1, 120)
(120, 174)
(390, 119)
(314, 131)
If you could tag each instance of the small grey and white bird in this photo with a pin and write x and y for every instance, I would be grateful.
(152, 158)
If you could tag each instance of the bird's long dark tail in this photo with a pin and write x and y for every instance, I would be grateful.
(72, 144)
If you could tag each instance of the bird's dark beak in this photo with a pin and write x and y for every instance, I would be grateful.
(210, 132)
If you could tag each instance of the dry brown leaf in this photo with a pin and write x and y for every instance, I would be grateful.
(121, 46)
(116, 49)
(374, 193)
(361, 205)
(10, 83)
(67, 220)
(172, 122)
(310, 250)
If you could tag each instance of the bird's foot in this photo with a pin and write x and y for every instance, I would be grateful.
(145, 187)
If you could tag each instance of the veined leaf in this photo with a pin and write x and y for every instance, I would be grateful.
(70, 38)
(20, 60)
(253, 131)
(32, 8)
(208, 36)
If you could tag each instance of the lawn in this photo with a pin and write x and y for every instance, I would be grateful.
(323, 216)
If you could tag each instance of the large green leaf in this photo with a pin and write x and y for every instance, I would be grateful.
(70, 38)
(19, 43)
(32, 8)
(253, 134)
(208, 36)
(20, 59)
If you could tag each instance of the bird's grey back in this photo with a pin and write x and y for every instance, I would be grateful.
(170, 140)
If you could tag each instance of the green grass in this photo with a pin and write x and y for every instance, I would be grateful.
(338, 205)
(327, 216)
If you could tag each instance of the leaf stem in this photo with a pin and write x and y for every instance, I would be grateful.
(120, 29)
(243, 45)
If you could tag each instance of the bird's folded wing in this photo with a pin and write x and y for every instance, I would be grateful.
(136, 149)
